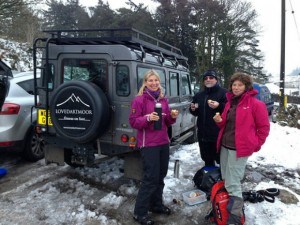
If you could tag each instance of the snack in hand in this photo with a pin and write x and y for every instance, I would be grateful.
(217, 114)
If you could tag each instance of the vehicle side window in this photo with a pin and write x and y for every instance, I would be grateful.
(143, 70)
(185, 86)
(48, 77)
(122, 80)
(174, 84)
(94, 70)
(28, 85)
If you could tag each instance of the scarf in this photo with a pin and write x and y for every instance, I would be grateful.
(154, 94)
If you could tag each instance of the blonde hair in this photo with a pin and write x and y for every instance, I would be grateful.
(148, 74)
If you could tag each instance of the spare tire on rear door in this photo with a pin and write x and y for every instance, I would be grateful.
(79, 111)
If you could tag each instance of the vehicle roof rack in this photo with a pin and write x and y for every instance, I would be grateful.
(130, 37)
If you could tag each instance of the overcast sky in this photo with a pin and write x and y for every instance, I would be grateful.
(269, 17)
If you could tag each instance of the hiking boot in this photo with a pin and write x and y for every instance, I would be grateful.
(161, 210)
(144, 220)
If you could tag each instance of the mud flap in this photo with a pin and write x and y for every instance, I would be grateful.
(54, 155)
(133, 166)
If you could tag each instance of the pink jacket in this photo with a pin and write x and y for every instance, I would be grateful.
(141, 107)
(252, 124)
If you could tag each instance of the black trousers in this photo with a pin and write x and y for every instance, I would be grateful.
(208, 152)
(155, 168)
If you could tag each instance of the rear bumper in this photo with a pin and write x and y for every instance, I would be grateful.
(12, 145)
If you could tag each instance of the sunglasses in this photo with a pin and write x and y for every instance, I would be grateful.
(209, 78)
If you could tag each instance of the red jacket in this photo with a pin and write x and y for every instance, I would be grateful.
(252, 124)
(141, 107)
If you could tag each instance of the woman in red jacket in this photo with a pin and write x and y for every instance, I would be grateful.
(244, 127)
(153, 144)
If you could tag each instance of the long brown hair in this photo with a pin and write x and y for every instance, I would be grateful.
(246, 79)
(148, 74)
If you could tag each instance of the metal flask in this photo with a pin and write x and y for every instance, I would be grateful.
(158, 110)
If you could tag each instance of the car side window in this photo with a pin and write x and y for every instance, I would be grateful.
(122, 80)
(28, 85)
(48, 77)
(185, 86)
(174, 83)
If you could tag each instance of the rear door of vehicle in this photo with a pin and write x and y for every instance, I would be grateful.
(95, 68)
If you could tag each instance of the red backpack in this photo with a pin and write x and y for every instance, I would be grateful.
(219, 199)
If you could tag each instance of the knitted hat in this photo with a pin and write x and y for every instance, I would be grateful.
(210, 73)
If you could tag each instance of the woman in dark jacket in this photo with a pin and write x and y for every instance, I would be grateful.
(208, 101)
(153, 144)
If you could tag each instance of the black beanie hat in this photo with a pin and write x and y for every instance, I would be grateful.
(210, 73)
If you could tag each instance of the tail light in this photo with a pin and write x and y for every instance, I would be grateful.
(132, 142)
(10, 109)
(124, 138)
(6, 144)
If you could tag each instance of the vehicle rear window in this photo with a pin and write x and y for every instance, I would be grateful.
(265, 95)
(94, 70)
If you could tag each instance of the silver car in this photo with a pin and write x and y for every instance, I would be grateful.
(16, 120)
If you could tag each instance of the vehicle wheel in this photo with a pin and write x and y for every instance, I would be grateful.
(79, 111)
(34, 146)
(68, 158)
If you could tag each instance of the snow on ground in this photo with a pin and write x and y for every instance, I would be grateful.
(70, 201)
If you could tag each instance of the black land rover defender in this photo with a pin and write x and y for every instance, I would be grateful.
(89, 78)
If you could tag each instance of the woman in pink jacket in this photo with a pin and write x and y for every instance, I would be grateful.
(244, 127)
(153, 144)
